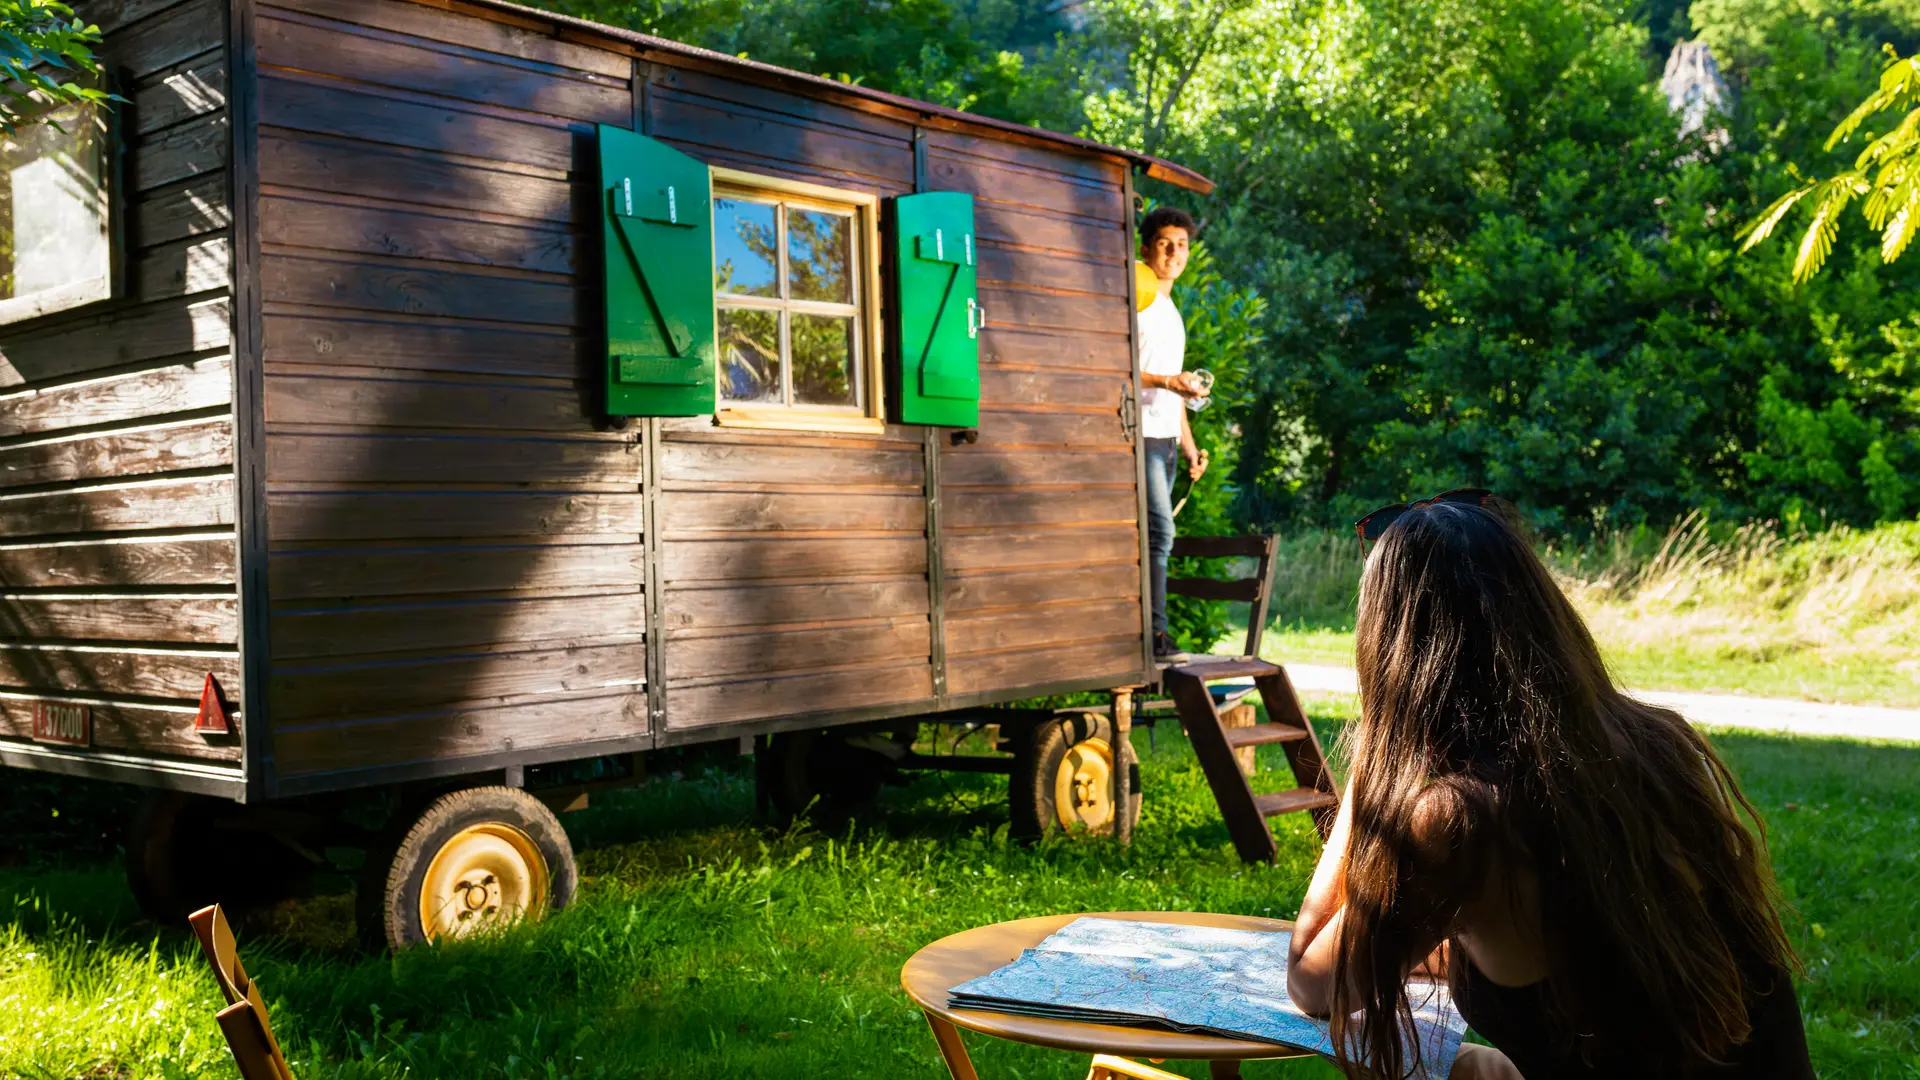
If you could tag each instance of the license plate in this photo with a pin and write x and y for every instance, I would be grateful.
(62, 723)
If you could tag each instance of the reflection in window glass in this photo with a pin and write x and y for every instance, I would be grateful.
(750, 355)
(53, 210)
(819, 256)
(789, 299)
(745, 248)
(823, 360)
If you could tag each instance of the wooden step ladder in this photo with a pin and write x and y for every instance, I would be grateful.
(1214, 744)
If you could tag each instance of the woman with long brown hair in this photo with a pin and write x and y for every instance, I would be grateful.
(1581, 866)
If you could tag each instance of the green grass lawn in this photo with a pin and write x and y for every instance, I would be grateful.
(1676, 665)
(703, 946)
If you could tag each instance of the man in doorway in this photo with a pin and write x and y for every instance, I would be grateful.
(1165, 386)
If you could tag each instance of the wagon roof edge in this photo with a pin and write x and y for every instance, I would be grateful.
(1158, 168)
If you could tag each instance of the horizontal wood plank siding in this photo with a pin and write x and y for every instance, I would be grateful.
(823, 693)
(452, 539)
(117, 505)
(536, 722)
(305, 572)
(794, 576)
(372, 687)
(746, 127)
(1040, 514)
(793, 564)
(455, 559)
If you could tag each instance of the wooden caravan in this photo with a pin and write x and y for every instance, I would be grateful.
(445, 389)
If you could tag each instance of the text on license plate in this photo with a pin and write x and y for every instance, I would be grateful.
(63, 723)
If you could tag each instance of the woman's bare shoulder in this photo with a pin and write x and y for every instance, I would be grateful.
(1444, 828)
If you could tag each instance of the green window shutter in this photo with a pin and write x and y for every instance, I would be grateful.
(656, 209)
(938, 309)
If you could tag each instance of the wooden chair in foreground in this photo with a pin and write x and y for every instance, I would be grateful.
(244, 1020)
(1109, 1067)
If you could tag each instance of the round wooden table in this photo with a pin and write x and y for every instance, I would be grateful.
(970, 954)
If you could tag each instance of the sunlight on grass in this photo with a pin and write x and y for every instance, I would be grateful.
(74, 1006)
(704, 946)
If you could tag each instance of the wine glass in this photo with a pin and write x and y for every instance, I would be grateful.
(1205, 379)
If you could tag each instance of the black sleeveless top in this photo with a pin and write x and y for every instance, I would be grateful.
(1518, 1021)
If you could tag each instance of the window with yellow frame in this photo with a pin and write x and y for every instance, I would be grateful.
(796, 298)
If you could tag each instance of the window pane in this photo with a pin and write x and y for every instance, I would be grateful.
(51, 203)
(818, 256)
(823, 372)
(749, 356)
(745, 252)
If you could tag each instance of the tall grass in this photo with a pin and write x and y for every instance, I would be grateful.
(1754, 589)
(1833, 615)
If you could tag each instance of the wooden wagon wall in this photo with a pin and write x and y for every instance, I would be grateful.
(457, 557)
(794, 567)
(1040, 518)
(117, 542)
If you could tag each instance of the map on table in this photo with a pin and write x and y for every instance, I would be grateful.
(1198, 979)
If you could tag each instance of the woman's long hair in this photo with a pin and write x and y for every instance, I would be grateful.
(1481, 687)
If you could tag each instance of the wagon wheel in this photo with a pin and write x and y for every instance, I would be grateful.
(1063, 778)
(471, 861)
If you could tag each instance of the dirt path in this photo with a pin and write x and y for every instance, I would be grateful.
(1714, 710)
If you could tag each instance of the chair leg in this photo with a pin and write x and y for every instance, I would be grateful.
(1109, 1067)
(959, 1065)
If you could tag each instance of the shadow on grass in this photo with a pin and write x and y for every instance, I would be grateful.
(704, 944)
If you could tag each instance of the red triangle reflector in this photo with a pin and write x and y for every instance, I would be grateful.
(212, 718)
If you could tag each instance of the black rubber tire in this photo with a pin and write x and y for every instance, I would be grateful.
(186, 851)
(1036, 761)
(387, 905)
(820, 774)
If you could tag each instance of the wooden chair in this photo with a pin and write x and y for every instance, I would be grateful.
(244, 1020)
(1110, 1067)
(1256, 592)
(1222, 731)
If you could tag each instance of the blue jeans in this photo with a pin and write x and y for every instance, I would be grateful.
(1163, 457)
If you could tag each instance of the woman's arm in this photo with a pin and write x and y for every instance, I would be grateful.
(1316, 933)
(1310, 957)
(1477, 1062)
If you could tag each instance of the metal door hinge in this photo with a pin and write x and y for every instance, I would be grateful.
(1129, 412)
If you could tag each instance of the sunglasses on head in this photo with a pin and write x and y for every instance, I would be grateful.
(1374, 525)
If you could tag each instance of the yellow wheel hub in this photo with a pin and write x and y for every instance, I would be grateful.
(1083, 786)
(485, 875)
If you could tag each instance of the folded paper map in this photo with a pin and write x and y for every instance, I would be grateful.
(1199, 979)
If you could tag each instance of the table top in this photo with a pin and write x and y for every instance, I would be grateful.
(970, 954)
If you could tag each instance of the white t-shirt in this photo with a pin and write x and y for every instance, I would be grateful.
(1163, 351)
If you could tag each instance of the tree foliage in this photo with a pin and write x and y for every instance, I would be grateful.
(1491, 258)
(1463, 242)
(1886, 176)
(1223, 337)
(46, 60)
(968, 54)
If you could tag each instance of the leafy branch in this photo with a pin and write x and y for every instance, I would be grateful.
(44, 51)
(1886, 175)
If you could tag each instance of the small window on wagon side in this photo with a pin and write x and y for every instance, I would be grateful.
(795, 298)
(55, 251)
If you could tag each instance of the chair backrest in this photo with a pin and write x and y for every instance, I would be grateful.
(1256, 591)
(244, 1020)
